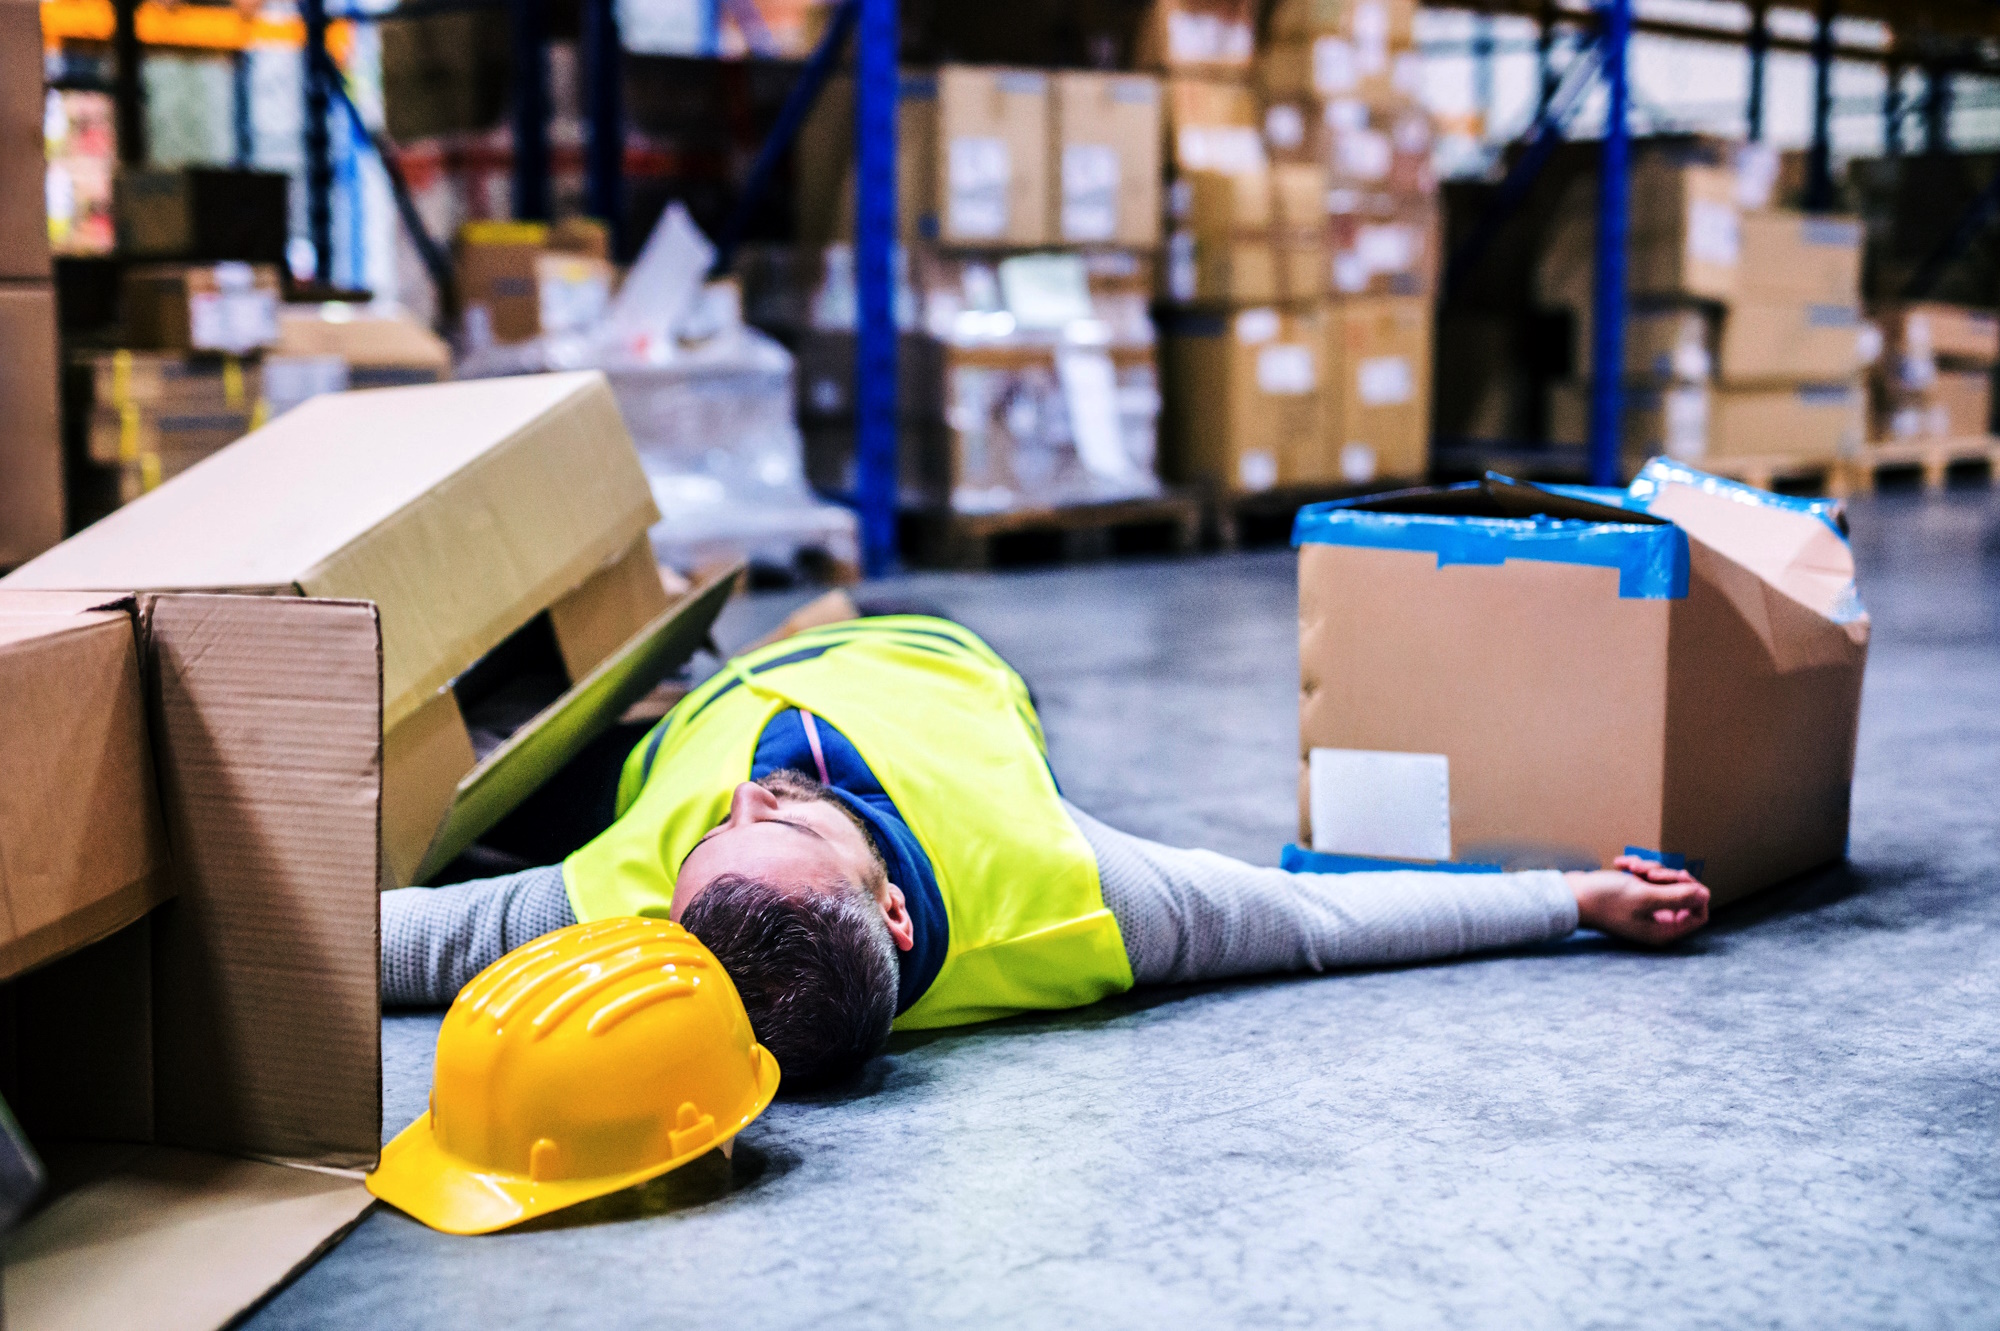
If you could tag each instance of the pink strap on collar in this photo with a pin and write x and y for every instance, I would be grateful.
(812, 739)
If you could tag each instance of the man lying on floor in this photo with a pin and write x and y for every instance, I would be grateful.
(860, 822)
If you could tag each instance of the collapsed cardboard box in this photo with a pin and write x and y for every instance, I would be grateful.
(499, 525)
(204, 1083)
(1548, 676)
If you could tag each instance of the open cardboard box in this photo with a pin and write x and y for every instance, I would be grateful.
(204, 1083)
(1546, 676)
(499, 526)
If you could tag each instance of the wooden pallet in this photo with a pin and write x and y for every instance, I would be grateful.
(1238, 520)
(1931, 459)
(1064, 533)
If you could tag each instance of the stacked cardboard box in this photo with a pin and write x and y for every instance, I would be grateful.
(1030, 211)
(1744, 336)
(520, 280)
(1303, 250)
(31, 482)
(1935, 377)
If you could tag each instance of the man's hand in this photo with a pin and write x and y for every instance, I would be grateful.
(1640, 900)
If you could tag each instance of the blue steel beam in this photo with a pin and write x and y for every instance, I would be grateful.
(604, 153)
(1760, 47)
(1607, 359)
(875, 234)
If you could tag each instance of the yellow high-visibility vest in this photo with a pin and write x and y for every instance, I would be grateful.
(948, 729)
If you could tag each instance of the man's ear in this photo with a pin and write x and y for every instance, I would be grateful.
(896, 914)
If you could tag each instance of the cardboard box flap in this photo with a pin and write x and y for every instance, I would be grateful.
(460, 509)
(1795, 545)
(1496, 520)
(514, 770)
(267, 729)
(159, 1238)
(82, 853)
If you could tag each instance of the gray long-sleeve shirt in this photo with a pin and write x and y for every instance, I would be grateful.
(1184, 915)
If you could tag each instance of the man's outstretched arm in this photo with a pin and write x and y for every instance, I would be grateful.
(1189, 915)
(435, 939)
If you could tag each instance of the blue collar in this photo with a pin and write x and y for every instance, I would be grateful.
(784, 745)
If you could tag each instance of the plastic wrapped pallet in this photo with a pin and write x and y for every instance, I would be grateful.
(709, 403)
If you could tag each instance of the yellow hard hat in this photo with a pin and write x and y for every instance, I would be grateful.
(594, 1058)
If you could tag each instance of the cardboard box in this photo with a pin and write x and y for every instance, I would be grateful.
(1197, 36)
(1393, 255)
(24, 219)
(1245, 405)
(1305, 268)
(1105, 158)
(382, 347)
(1223, 205)
(824, 162)
(1035, 427)
(1955, 404)
(205, 1085)
(1795, 420)
(1376, 148)
(1663, 343)
(31, 456)
(1334, 66)
(1789, 342)
(1220, 271)
(1719, 735)
(1669, 418)
(1953, 335)
(1803, 258)
(224, 307)
(494, 263)
(1378, 395)
(1378, 26)
(82, 852)
(201, 214)
(523, 504)
(152, 445)
(1212, 126)
(1686, 236)
(992, 166)
(1298, 198)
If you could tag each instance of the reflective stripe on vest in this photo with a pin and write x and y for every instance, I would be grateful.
(947, 727)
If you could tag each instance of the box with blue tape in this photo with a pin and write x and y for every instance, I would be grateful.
(1548, 676)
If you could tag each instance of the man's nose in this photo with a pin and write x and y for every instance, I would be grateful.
(749, 803)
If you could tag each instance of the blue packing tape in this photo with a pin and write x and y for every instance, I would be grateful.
(1651, 558)
(1297, 859)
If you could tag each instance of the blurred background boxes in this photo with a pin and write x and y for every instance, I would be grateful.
(32, 505)
(229, 307)
(1245, 398)
(1378, 394)
(201, 214)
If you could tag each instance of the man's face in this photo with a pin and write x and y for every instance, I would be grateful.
(780, 832)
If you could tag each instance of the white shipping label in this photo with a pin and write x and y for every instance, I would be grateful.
(1370, 802)
(1183, 276)
(1357, 463)
(1333, 67)
(1686, 412)
(1256, 325)
(1714, 233)
(1284, 127)
(1203, 39)
(1230, 149)
(233, 321)
(1090, 392)
(1385, 381)
(1350, 272)
(978, 171)
(1364, 154)
(1285, 369)
(1371, 36)
(1257, 469)
(1089, 191)
(1389, 248)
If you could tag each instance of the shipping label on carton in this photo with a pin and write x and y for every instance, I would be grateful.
(1722, 731)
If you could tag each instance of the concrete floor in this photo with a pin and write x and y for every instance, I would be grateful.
(1793, 1122)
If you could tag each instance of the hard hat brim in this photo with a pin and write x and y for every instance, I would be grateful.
(420, 1178)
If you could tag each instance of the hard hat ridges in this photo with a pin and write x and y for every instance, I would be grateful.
(502, 993)
(596, 980)
(625, 1005)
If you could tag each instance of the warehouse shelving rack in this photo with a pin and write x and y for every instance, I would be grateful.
(1939, 37)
